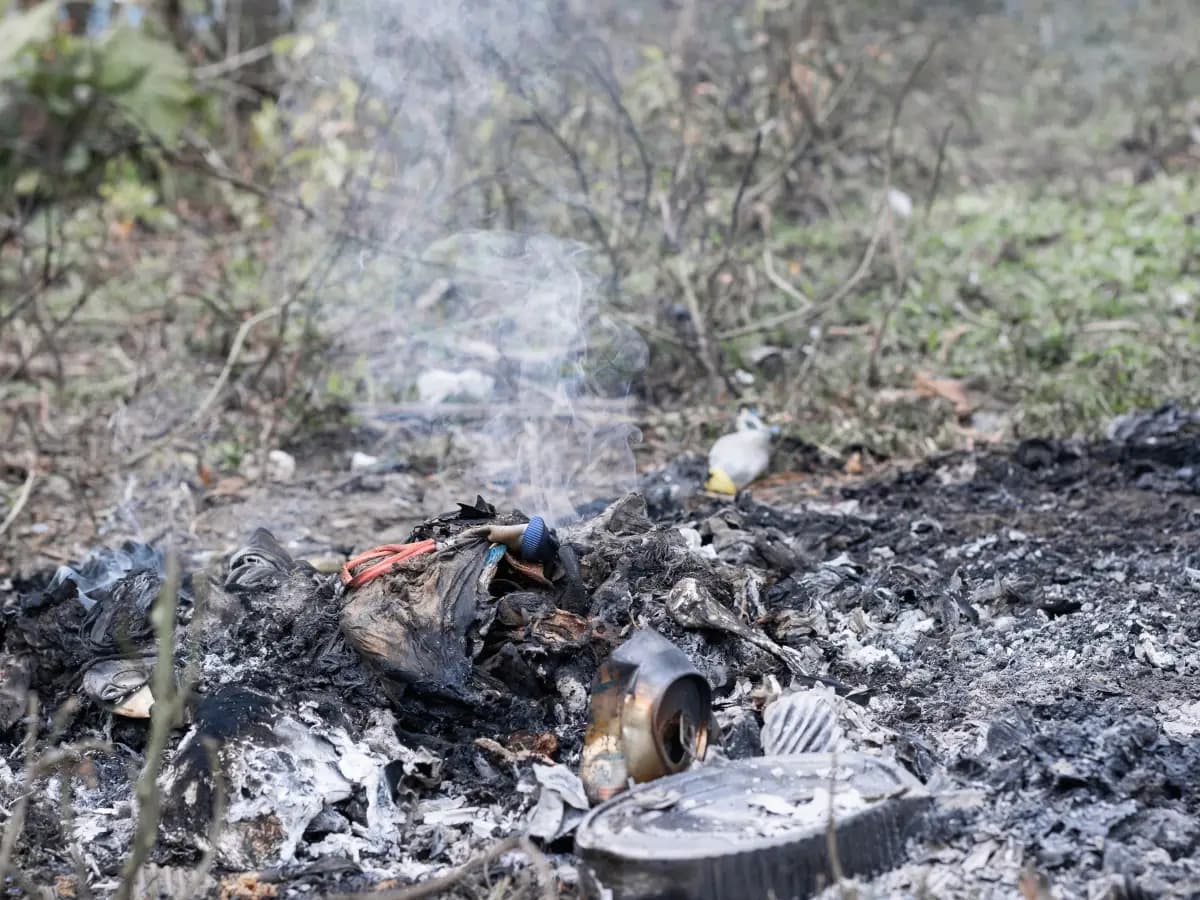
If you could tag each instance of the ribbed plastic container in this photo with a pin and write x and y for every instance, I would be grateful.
(751, 828)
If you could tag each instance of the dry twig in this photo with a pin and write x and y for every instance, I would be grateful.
(435, 887)
(230, 360)
(163, 715)
(818, 309)
(232, 63)
(16, 816)
(22, 499)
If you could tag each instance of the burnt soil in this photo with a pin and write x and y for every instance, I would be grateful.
(1016, 624)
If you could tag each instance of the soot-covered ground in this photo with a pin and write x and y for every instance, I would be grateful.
(1014, 626)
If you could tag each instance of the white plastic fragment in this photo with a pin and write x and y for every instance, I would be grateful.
(801, 722)
(901, 204)
(737, 459)
(281, 466)
(360, 461)
(561, 803)
(436, 386)
(563, 782)
(695, 543)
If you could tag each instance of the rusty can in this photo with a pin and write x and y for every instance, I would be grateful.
(650, 711)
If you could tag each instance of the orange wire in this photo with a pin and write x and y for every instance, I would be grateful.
(384, 558)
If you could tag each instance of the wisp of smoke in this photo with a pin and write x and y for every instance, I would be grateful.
(439, 305)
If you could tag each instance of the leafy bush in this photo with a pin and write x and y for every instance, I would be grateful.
(69, 104)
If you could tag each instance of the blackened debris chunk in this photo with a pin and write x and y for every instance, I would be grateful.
(119, 623)
(1036, 453)
(105, 567)
(260, 564)
(480, 509)
(1158, 426)
(229, 713)
(95, 610)
(667, 490)
(15, 677)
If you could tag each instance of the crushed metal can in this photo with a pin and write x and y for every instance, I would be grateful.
(650, 711)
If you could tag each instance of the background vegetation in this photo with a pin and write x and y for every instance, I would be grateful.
(895, 228)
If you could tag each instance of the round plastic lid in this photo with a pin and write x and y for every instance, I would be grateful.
(741, 805)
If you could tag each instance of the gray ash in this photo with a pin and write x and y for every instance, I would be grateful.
(1014, 627)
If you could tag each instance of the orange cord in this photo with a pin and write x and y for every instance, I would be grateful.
(384, 559)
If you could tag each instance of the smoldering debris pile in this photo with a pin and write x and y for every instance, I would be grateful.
(981, 672)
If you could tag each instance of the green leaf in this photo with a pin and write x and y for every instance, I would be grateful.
(77, 159)
(27, 182)
(305, 44)
(19, 33)
(148, 79)
(283, 45)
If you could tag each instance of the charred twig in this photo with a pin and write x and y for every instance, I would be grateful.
(20, 304)
(747, 174)
(608, 411)
(437, 886)
(732, 229)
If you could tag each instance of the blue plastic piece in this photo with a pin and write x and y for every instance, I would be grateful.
(535, 543)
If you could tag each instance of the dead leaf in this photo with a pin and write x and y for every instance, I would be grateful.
(533, 571)
(854, 465)
(562, 630)
(535, 743)
(205, 473)
(228, 487)
(946, 389)
(1034, 885)
(247, 886)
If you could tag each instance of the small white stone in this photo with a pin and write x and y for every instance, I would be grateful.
(281, 466)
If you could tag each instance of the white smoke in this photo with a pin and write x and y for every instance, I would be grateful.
(435, 297)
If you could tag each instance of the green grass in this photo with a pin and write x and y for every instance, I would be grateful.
(1056, 311)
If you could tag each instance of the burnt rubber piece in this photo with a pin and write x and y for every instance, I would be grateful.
(751, 828)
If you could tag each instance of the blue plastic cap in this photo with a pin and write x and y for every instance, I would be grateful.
(535, 542)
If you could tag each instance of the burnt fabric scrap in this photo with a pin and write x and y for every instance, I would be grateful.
(411, 625)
